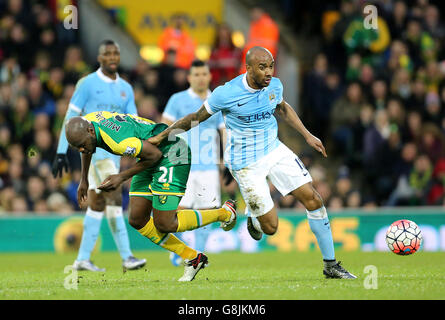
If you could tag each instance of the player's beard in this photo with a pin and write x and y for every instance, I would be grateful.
(111, 71)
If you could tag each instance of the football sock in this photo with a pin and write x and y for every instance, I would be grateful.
(192, 219)
(319, 224)
(201, 236)
(167, 241)
(119, 230)
(91, 228)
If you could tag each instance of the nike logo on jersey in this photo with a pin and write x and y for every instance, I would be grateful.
(241, 104)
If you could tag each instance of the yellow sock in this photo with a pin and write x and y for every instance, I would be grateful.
(192, 219)
(167, 241)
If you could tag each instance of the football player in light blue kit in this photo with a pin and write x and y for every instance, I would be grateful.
(101, 90)
(203, 190)
(254, 153)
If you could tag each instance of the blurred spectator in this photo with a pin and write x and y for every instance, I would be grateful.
(396, 112)
(379, 94)
(420, 180)
(22, 120)
(9, 70)
(57, 203)
(433, 25)
(148, 108)
(35, 190)
(225, 59)
(359, 130)
(74, 66)
(40, 101)
(344, 115)
(433, 111)
(398, 18)
(431, 142)
(17, 45)
(19, 206)
(176, 38)
(263, 32)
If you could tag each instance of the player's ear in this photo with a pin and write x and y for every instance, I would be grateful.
(90, 130)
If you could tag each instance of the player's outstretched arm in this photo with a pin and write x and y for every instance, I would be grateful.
(288, 114)
(148, 156)
(82, 190)
(183, 124)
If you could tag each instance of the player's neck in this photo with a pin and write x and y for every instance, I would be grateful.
(251, 83)
(202, 94)
(111, 75)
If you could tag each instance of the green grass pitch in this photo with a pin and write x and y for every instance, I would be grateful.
(231, 275)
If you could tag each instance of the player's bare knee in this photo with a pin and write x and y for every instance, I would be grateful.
(113, 198)
(165, 226)
(270, 228)
(98, 204)
(136, 223)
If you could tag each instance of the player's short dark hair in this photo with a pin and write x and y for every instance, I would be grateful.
(198, 63)
(108, 42)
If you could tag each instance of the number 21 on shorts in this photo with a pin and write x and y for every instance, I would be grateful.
(165, 171)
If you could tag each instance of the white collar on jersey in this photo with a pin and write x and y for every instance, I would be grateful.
(246, 85)
(103, 77)
(193, 94)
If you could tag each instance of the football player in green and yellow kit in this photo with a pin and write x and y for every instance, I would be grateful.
(159, 180)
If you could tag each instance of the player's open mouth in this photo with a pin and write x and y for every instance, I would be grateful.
(267, 80)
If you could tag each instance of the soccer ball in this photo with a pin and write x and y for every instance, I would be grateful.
(404, 237)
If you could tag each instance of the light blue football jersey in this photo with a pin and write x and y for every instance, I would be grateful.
(252, 130)
(97, 92)
(203, 139)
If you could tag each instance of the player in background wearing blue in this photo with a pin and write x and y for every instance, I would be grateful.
(203, 188)
(254, 152)
(102, 90)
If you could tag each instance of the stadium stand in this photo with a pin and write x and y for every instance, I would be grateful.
(376, 97)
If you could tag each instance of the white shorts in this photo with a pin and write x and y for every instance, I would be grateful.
(99, 171)
(284, 170)
(202, 191)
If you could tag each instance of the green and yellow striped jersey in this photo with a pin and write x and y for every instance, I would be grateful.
(122, 134)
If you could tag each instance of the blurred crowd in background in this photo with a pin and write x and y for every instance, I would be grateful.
(377, 98)
(374, 97)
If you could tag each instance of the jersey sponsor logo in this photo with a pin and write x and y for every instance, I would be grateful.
(130, 151)
(257, 117)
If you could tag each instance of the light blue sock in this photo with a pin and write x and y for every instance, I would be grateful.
(201, 236)
(91, 228)
(119, 230)
(320, 226)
